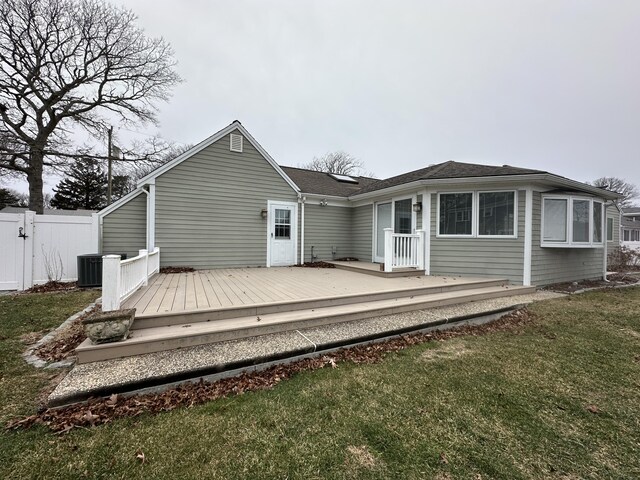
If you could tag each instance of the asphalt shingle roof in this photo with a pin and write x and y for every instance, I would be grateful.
(322, 183)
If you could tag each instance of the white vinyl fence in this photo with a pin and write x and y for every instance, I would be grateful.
(37, 248)
(122, 278)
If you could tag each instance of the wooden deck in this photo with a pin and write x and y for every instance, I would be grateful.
(237, 287)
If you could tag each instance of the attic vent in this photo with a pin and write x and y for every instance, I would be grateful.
(343, 178)
(236, 143)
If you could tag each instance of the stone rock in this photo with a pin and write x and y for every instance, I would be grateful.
(106, 327)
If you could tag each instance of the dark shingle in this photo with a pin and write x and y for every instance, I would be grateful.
(322, 183)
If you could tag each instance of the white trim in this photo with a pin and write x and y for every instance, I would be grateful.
(151, 218)
(294, 228)
(426, 226)
(212, 139)
(302, 201)
(528, 236)
(117, 204)
(546, 178)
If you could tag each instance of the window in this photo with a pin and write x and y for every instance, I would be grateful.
(455, 213)
(282, 224)
(497, 213)
(478, 214)
(626, 235)
(580, 221)
(403, 213)
(609, 229)
(569, 221)
(597, 222)
(555, 220)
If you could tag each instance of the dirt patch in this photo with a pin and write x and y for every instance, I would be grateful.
(615, 280)
(65, 342)
(53, 287)
(101, 411)
(631, 333)
(177, 270)
(317, 265)
(447, 350)
(361, 456)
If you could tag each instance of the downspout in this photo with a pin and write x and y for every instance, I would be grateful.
(302, 200)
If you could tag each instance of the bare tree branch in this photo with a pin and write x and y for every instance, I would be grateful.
(69, 63)
(338, 162)
(629, 191)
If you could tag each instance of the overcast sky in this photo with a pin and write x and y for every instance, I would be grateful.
(552, 85)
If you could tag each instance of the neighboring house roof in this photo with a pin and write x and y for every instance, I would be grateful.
(322, 183)
(448, 169)
(627, 222)
(51, 211)
(631, 211)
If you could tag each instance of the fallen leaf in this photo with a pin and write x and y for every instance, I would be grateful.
(443, 459)
(140, 456)
(593, 409)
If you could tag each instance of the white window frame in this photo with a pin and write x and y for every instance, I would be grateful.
(569, 243)
(475, 214)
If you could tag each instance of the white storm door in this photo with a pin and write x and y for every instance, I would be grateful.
(383, 220)
(282, 234)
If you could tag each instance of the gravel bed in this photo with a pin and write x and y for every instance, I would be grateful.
(112, 373)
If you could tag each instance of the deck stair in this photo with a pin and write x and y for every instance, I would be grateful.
(167, 331)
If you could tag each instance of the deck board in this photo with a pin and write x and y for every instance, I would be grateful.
(237, 287)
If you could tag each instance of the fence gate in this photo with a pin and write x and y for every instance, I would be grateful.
(12, 251)
(33, 247)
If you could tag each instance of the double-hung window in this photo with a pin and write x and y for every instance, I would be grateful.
(477, 214)
(609, 229)
(569, 221)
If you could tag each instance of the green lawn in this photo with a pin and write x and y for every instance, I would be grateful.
(503, 405)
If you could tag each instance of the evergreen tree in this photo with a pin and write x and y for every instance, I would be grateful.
(8, 197)
(84, 187)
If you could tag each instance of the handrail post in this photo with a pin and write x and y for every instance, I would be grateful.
(110, 283)
(388, 249)
(421, 236)
(146, 266)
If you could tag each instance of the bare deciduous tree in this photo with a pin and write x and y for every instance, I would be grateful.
(69, 63)
(338, 162)
(628, 190)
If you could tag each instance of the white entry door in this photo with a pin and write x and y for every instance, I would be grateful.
(283, 229)
(12, 251)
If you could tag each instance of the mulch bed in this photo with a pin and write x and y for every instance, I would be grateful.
(316, 265)
(64, 343)
(177, 269)
(52, 287)
(615, 280)
(101, 411)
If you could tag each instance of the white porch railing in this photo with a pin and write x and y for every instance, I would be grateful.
(121, 278)
(403, 250)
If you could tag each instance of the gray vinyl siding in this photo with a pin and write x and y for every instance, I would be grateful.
(555, 265)
(208, 208)
(482, 257)
(125, 229)
(325, 229)
(362, 232)
(612, 212)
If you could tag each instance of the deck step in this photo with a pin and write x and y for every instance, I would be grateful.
(366, 268)
(216, 314)
(158, 339)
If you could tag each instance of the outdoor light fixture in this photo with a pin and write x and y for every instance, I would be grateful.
(323, 202)
(263, 213)
(417, 207)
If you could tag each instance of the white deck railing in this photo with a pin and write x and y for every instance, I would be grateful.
(403, 250)
(122, 278)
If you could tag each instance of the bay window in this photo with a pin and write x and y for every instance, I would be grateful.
(569, 221)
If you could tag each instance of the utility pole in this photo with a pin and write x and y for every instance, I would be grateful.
(109, 167)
